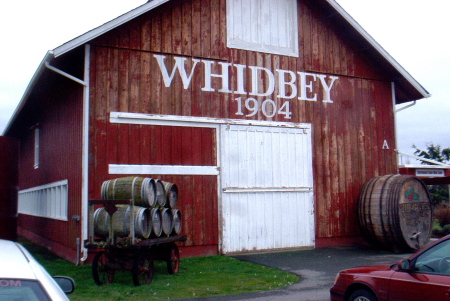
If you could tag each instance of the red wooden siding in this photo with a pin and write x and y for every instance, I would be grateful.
(9, 173)
(166, 145)
(348, 134)
(59, 115)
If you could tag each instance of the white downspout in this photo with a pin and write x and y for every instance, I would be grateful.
(394, 100)
(85, 142)
(85, 150)
(405, 107)
(395, 121)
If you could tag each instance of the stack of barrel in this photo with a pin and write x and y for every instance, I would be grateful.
(155, 213)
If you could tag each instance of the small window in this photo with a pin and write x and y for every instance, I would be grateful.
(36, 147)
(50, 200)
(263, 25)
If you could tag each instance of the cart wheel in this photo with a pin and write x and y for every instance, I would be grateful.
(173, 260)
(101, 272)
(142, 269)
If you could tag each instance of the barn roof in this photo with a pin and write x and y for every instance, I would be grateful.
(407, 88)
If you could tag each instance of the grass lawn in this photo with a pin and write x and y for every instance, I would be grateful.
(198, 277)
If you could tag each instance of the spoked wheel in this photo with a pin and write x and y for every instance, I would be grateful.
(101, 270)
(173, 260)
(142, 269)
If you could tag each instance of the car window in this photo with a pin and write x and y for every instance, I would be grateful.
(435, 260)
(21, 290)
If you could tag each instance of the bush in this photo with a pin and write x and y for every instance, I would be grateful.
(442, 214)
(446, 229)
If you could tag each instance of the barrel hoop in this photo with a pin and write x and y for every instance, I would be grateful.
(367, 215)
(396, 220)
(143, 191)
(368, 223)
(132, 189)
(103, 190)
(114, 189)
(383, 226)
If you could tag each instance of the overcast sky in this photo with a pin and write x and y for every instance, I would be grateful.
(414, 33)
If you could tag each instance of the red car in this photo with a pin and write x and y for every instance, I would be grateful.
(423, 276)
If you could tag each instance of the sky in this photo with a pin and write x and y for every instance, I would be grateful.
(413, 32)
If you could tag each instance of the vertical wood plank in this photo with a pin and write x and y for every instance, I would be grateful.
(186, 28)
(348, 134)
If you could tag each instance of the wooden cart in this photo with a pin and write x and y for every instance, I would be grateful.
(129, 253)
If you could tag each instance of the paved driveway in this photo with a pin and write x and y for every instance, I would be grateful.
(317, 269)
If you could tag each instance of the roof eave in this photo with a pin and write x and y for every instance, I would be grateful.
(423, 92)
(47, 58)
(72, 44)
(96, 32)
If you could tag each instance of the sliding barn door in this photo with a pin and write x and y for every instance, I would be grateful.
(267, 188)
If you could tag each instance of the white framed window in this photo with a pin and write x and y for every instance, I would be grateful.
(263, 25)
(50, 200)
(36, 147)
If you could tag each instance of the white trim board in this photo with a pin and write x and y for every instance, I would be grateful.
(192, 121)
(162, 169)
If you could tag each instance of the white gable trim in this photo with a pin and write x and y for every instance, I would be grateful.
(96, 32)
(378, 47)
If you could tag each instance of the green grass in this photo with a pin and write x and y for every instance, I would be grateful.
(198, 277)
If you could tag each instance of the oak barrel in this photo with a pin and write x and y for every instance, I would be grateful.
(171, 193)
(121, 222)
(101, 223)
(166, 221)
(155, 215)
(176, 221)
(141, 190)
(160, 193)
(394, 212)
(142, 221)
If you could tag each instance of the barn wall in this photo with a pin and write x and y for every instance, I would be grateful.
(348, 134)
(164, 145)
(9, 173)
(58, 117)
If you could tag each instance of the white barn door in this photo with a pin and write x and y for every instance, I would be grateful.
(267, 188)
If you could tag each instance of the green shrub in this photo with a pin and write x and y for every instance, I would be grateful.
(446, 229)
(442, 214)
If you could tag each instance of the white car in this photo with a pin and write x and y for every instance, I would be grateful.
(23, 278)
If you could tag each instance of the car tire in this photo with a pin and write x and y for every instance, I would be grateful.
(362, 295)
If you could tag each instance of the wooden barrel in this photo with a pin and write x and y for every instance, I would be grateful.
(121, 222)
(166, 221)
(171, 193)
(394, 212)
(160, 193)
(176, 222)
(142, 221)
(141, 190)
(155, 217)
(101, 223)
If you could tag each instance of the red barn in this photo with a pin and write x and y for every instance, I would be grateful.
(268, 115)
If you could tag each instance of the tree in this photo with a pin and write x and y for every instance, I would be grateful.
(433, 152)
(439, 193)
